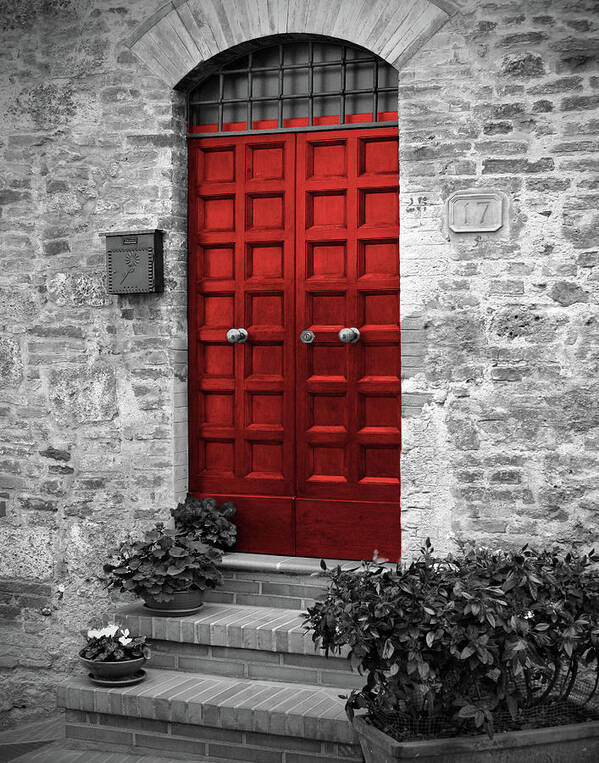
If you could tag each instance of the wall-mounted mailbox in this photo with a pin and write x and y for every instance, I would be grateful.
(134, 261)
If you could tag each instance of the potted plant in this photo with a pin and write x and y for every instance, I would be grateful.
(170, 570)
(112, 656)
(209, 522)
(503, 642)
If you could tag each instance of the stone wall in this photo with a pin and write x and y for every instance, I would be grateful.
(500, 331)
(92, 141)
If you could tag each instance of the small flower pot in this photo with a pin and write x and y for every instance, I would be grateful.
(183, 603)
(117, 672)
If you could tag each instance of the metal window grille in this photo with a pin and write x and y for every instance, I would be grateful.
(295, 85)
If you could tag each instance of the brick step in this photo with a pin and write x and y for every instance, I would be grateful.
(205, 717)
(272, 581)
(243, 642)
(268, 589)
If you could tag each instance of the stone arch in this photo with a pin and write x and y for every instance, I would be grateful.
(184, 33)
(183, 37)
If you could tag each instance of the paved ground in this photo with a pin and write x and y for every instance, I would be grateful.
(41, 742)
(29, 738)
(59, 754)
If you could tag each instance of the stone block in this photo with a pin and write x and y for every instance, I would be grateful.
(31, 503)
(523, 65)
(29, 552)
(84, 395)
(77, 289)
(11, 363)
(517, 166)
(580, 103)
(567, 293)
(523, 38)
(498, 128)
(580, 227)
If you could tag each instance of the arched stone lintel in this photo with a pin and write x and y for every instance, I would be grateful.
(182, 34)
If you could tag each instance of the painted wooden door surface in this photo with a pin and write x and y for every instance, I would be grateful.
(291, 232)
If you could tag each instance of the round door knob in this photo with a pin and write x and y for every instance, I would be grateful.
(237, 336)
(307, 336)
(349, 336)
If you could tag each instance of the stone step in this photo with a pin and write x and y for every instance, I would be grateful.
(237, 641)
(273, 581)
(205, 717)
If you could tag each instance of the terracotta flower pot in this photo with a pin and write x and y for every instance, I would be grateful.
(113, 671)
(577, 741)
(183, 603)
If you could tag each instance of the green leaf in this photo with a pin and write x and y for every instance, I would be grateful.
(388, 650)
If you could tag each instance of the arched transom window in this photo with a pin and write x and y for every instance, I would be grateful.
(295, 85)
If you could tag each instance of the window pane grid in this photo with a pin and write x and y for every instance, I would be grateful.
(294, 96)
(271, 87)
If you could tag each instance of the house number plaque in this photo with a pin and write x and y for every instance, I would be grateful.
(475, 211)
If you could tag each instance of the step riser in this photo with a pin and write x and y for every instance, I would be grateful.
(269, 589)
(91, 730)
(221, 595)
(256, 664)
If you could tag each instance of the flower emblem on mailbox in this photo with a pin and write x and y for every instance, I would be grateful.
(132, 260)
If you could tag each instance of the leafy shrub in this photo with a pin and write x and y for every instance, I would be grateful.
(465, 637)
(113, 644)
(163, 563)
(209, 522)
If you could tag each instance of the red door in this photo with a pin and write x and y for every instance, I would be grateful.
(289, 233)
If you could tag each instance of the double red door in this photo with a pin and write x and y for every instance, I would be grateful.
(292, 233)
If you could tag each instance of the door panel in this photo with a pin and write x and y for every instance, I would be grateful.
(348, 401)
(348, 429)
(242, 227)
(292, 232)
(265, 524)
(347, 529)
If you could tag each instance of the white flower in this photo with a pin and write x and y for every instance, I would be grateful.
(124, 640)
(528, 615)
(110, 631)
(94, 634)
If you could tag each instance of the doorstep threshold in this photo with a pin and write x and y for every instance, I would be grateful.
(294, 565)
